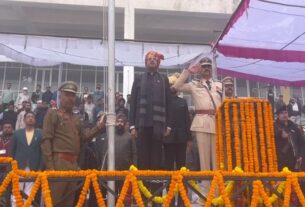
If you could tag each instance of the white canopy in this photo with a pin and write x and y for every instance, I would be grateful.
(47, 51)
(265, 41)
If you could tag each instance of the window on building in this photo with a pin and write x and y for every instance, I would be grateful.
(12, 76)
(296, 92)
(88, 79)
(74, 75)
(54, 84)
(241, 87)
(263, 89)
(120, 84)
(253, 89)
(28, 78)
(2, 76)
(100, 75)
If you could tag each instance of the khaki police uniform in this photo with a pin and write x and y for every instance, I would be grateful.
(204, 121)
(62, 136)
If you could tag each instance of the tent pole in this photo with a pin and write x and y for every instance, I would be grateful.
(111, 100)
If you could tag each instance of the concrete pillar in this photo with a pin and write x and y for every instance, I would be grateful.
(129, 30)
(285, 91)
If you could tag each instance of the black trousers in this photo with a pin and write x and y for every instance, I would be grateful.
(174, 153)
(149, 148)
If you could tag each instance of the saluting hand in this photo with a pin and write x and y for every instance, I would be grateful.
(195, 69)
(101, 123)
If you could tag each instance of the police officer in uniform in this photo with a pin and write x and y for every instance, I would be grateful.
(62, 137)
(228, 85)
(207, 97)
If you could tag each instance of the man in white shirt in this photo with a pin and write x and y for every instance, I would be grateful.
(23, 96)
(20, 124)
(294, 111)
(7, 96)
(89, 106)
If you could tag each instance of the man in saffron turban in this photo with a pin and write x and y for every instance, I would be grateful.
(149, 114)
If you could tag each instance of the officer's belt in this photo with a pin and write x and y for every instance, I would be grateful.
(209, 112)
(66, 156)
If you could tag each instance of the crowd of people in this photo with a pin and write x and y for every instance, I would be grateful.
(155, 129)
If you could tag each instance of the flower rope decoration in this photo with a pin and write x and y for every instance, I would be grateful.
(146, 192)
(244, 137)
(15, 184)
(182, 191)
(218, 139)
(259, 195)
(268, 137)
(255, 195)
(298, 190)
(249, 137)
(254, 138)
(84, 191)
(97, 190)
(136, 191)
(46, 190)
(124, 190)
(6, 182)
(236, 136)
(228, 137)
(262, 138)
(287, 194)
(212, 191)
(172, 187)
(272, 135)
(34, 191)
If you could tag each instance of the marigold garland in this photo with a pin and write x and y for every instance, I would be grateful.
(98, 194)
(228, 138)
(170, 193)
(247, 128)
(263, 194)
(223, 191)
(255, 150)
(177, 181)
(254, 138)
(219, 144)
(255, 194)
(268, 137)
(84, 191)
(236, 136)
(124, 190)
(219, 201)
(6, 159)
(136, 191)
(262, 138)
(46, 190)
(146, 192)
(244, 135)
(287, 191)
(271, 117)
(15, 184)
(212, 191)
(298, 190)
(5, 183)
(34, 191)
(182, 191)
(249, 138)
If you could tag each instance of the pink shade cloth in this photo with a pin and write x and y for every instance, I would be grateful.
(226, 72)
(261, 53)
(243, 6)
